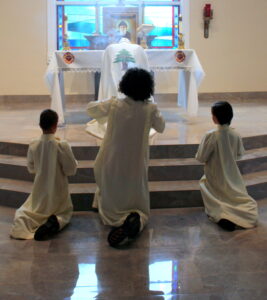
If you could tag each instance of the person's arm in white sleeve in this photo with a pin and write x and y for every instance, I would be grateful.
(99, 110)
(66, 159)
(30, 161)
(158, 122)
(205, 148)
(240, 148)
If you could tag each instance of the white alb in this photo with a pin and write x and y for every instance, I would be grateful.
(51, 160)
(223, 190)
(122, 161)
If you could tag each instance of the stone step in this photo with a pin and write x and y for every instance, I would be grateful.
(85, 152)
(14, 167)
(163, 194)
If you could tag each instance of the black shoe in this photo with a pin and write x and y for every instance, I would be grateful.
(133, 224)
(128, 230)
(227, 225)
(48, 229)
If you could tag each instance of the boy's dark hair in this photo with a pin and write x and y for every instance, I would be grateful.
(122, 23)
(223, 111)
(137, 84)
(48, 119)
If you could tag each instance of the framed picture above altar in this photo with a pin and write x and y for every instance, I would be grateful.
(120, 22)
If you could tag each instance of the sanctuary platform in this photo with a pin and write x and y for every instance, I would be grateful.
(173, 171)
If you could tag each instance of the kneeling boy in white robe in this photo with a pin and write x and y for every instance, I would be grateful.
(223, 191)
(48, 208)
(122, 195)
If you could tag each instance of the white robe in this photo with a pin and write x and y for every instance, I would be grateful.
(122, 161)
(115, 63)
(51, 160)
(112, 70)
(223, 191)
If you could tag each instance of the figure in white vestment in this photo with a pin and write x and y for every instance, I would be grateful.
(49, 207)
(117, 59)
(223, 191)
(122, 195)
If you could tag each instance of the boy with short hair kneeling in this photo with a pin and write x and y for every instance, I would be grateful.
(48, 208)
(223, 191)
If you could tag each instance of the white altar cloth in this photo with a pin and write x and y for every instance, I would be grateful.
(191, 74)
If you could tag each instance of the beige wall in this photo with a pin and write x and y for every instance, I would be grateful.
(234, 56)
(22, 47)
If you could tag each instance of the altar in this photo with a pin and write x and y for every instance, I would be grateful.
(186, 61)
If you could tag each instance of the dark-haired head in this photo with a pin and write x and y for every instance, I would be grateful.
(48, 120)
(122, 23)
(137, 84)
(223, 112)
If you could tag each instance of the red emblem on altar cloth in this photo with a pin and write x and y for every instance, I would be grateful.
(68, 58)
(180, 56)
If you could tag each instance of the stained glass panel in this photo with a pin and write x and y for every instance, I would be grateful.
(84, 27)
(74, 24)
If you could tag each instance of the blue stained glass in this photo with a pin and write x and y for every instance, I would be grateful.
(60, 12)
(162, 18)
(176, 28)
(76, 23)
(79, 21)
(125, 1)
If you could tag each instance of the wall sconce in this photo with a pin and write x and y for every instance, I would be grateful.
(207, 16)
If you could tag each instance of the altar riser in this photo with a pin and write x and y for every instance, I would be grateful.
(156, 151)
(173, 182)
(155, 173)
(166, 199)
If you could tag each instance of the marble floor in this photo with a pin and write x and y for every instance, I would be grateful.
(19, 121)
(180, 255)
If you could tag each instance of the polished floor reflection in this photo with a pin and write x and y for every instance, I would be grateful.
(22, 119)
(180, 255)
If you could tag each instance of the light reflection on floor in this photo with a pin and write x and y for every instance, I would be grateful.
(163, 276)
(163, 279)
(87, 284)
